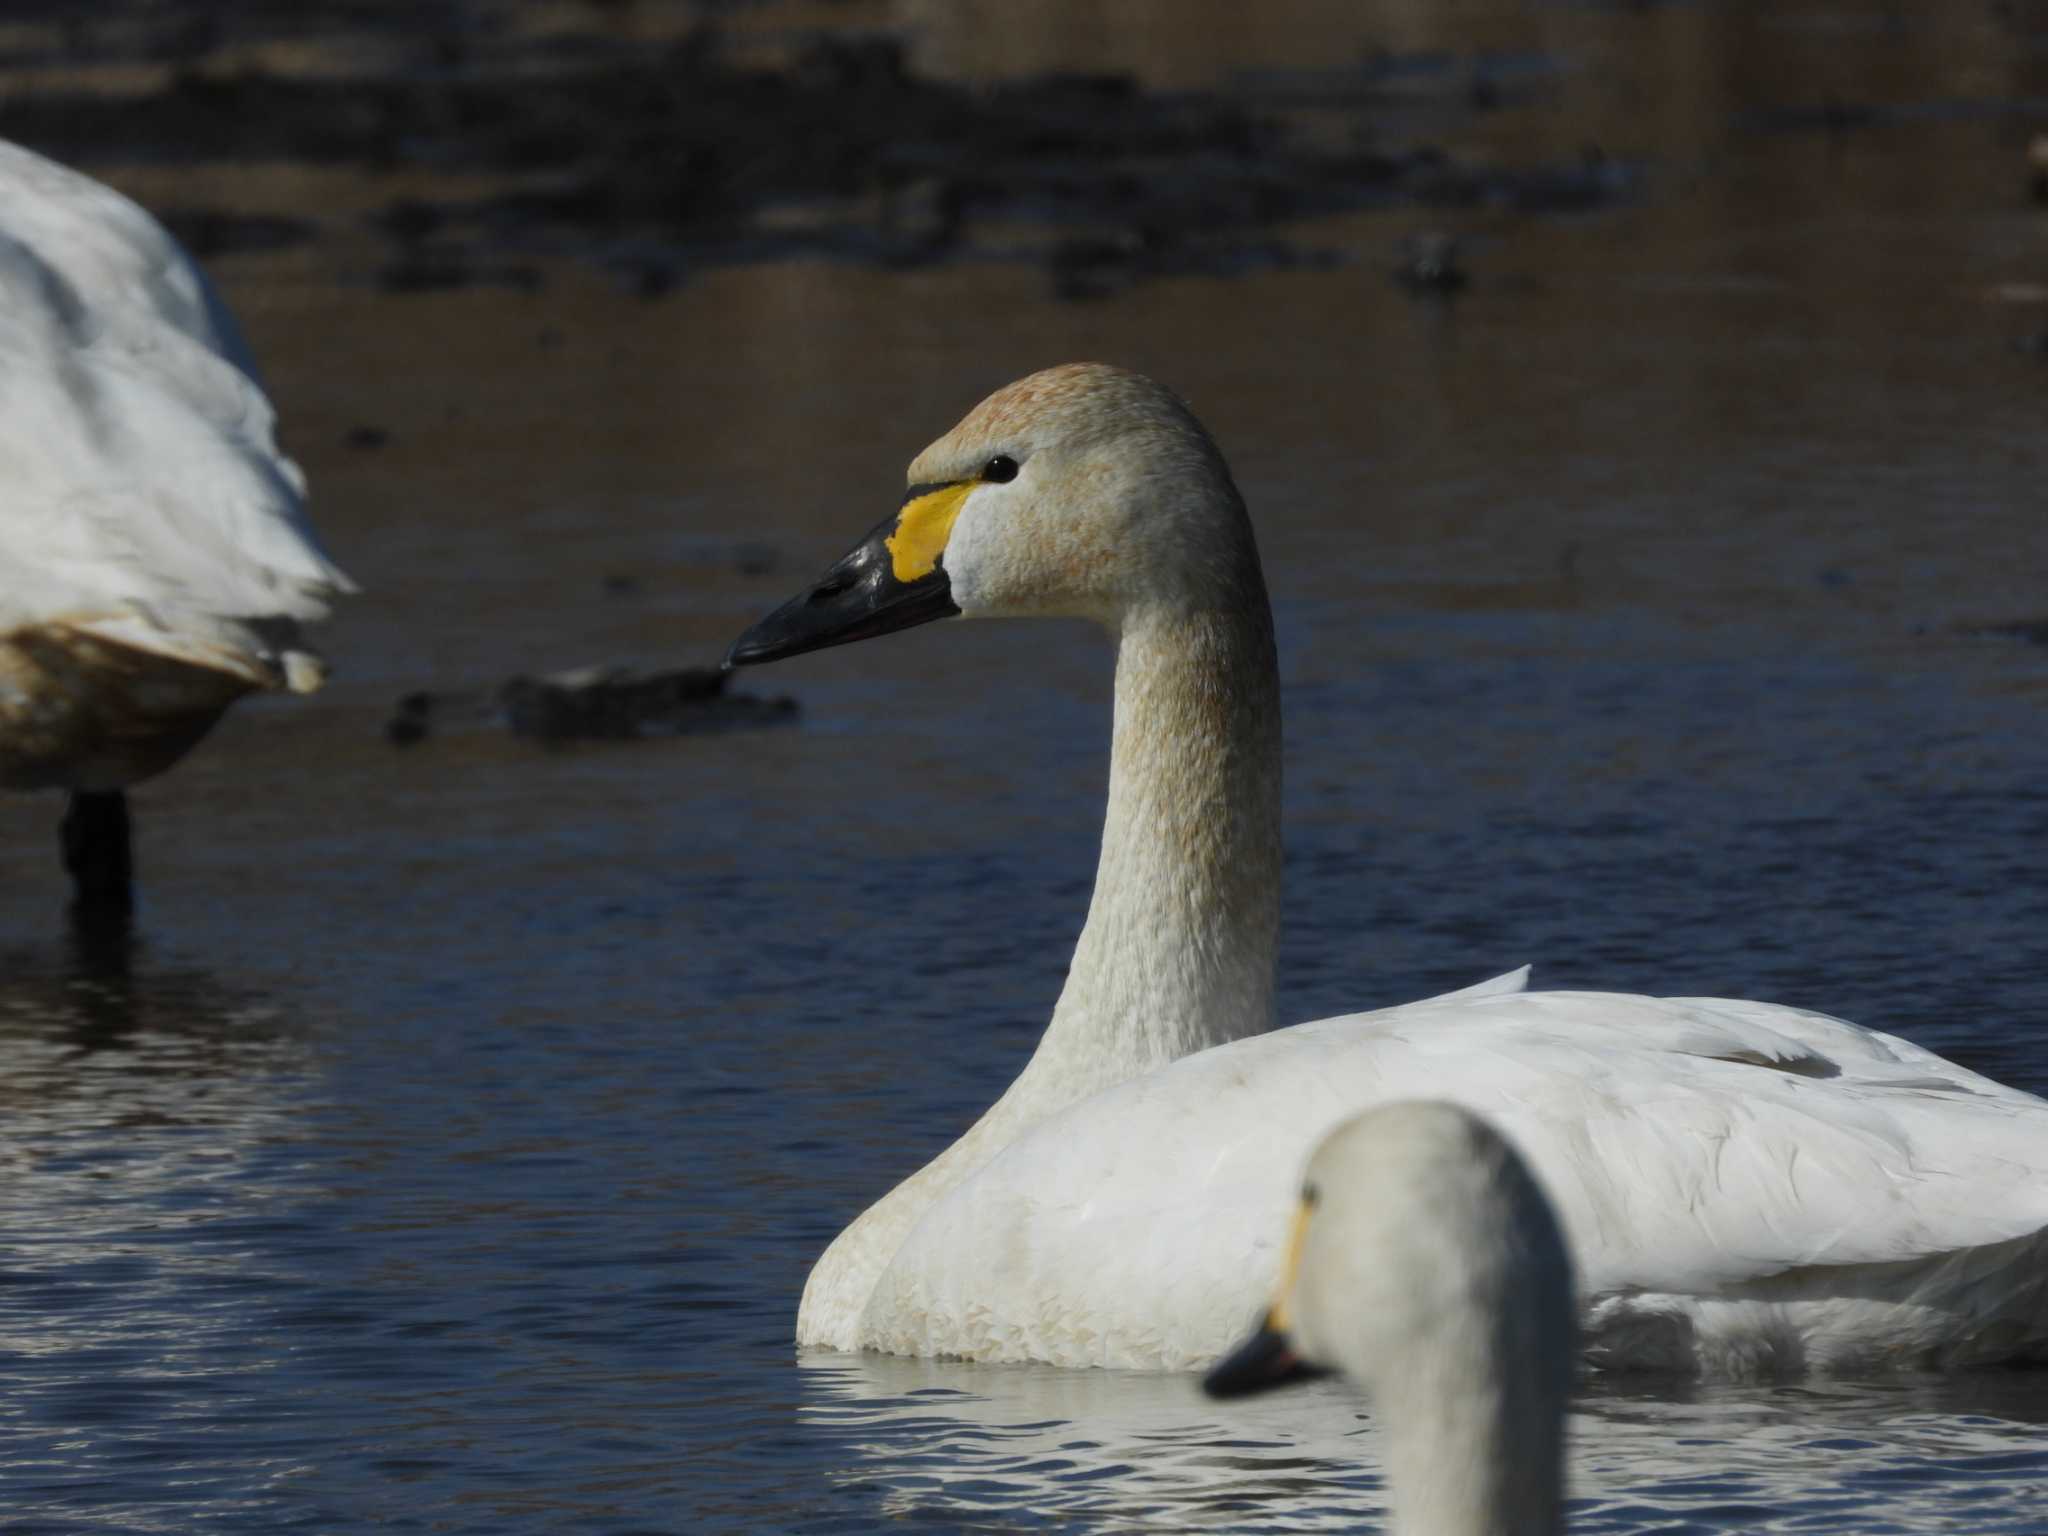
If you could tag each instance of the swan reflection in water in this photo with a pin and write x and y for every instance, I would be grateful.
(97, 1025)
(941, 1440)
(142, 1102)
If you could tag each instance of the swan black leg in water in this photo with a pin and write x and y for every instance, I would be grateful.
(97, 853)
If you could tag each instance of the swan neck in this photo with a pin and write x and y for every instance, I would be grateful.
(1178, 950)
(1472, 1451)
(1472, 1473)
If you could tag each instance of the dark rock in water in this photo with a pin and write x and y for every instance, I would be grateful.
(617, 703)
(409, 220)
(1100, 267)
(920, 219)
(1832, 115)
(365, 437)
(653, 278)
(426, 270)
(1429, 264)
(1587, 184)
(1095, 268)
(593, 703)
(211, 232)
(2032, 631)
(410, 722)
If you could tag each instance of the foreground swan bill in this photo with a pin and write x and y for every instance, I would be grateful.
(1748, 1188)
(1428, 1267)
(157, 553)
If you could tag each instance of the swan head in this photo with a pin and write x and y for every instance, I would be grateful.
(1083, 490)
(1425, 1258)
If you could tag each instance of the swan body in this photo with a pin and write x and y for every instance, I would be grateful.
(157, 554)
(1428, 1267)
(1749, 1188)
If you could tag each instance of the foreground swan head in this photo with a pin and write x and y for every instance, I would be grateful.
(1428, 1266)
(1083, 490)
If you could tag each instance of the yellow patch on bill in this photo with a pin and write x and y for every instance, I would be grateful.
(922, 528)
(1290, 1266)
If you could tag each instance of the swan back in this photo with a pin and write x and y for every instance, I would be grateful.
(1428, 1266)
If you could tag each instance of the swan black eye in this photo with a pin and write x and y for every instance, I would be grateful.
(1001, 469)
(1310, 1195)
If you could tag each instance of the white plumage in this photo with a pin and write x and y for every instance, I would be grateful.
(155, 545)
(1429, 1269)
(145, 498)
(1748, 1188)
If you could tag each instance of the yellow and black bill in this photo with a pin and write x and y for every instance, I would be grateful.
(1265, 1360)
(892, 579)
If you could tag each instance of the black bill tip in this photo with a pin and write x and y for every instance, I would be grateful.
(1262, 1362)
(857, 599)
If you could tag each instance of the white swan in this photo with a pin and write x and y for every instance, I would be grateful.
(157, 555)
(1748, 1188)
(1428, 1267)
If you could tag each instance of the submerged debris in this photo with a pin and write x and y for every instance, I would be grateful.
(2037, 168)
(595, 703)
(1429, 263)
(615, 703)
(2032, 631)
(212, 232)
(410, 722)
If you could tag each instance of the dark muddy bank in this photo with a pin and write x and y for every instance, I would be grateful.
(662, 150)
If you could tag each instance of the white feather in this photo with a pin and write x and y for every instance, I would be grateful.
(146, 500)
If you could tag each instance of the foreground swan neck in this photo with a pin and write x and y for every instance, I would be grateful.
(1463, 1460)
(1177, 953)
(1434, 1272)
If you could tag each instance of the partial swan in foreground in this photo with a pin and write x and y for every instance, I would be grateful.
(1428, 1267)
(1748, 1188)
(157, 557)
